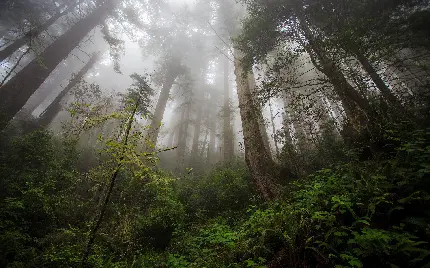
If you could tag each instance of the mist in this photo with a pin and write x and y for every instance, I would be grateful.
(214, 133)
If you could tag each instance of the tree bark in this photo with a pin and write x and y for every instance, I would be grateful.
(259, 113)
(275, 139)
(9, 50)
(227, 129)
(55, 107)
(183, 134)
(357, 108)
(15, 93)
(160, 108)
(380, 84)
(212, 138)
(257, 158)
(197, 129)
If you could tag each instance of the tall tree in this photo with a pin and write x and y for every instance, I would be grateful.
(183, 133)
(173, 70)
(227, 128)
(257, 158)
(27, 37)
(15, 93)
(199, 102)
(55, 107)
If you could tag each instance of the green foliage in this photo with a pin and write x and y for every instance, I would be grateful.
(351, 214)
(225, 190)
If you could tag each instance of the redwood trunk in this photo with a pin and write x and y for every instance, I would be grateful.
(259, 113)
(15, 93)
(227, 129)
(160, 108)
(9, 50)
(380, 84)
(183, 134)
(212, 138)
(258, 159)
(197, 129)
(55, 107)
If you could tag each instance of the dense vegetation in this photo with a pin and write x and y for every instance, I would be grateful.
(341, 180)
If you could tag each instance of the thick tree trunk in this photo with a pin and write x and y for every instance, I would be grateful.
(15, 93)
(286, 127)
(171, 139)
(299, 132)
(160, 108)
(55, 107)
(227, 129)
(9, 50)
(205, 141)
(258, 159)
(259, 113)
(197, 129)
(43, 92)
(183, 134)
(275, 138)
(212, 137)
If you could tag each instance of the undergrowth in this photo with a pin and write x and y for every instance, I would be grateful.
(355, 213)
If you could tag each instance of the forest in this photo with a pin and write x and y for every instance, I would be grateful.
(215, 133)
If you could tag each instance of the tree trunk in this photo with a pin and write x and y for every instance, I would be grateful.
(380, 84)
(197, 128)
(58, 76)
(286, 127)
(259, 113)
(160, 108)
(171, 140)
(15, 93)
(357, 109)
(202, 151)
(297, 122)
(227, 129)
(257, 158)
(183, 134)
(9, 50)
(55, 107)
(275, 138)
(212, 138)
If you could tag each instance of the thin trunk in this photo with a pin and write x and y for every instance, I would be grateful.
(257, 158)
(356, 107)
(380, 84)
(15, 93)
(55, 107)
(160, 108)
(227, 129)
(96, 225)
(9, 50)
